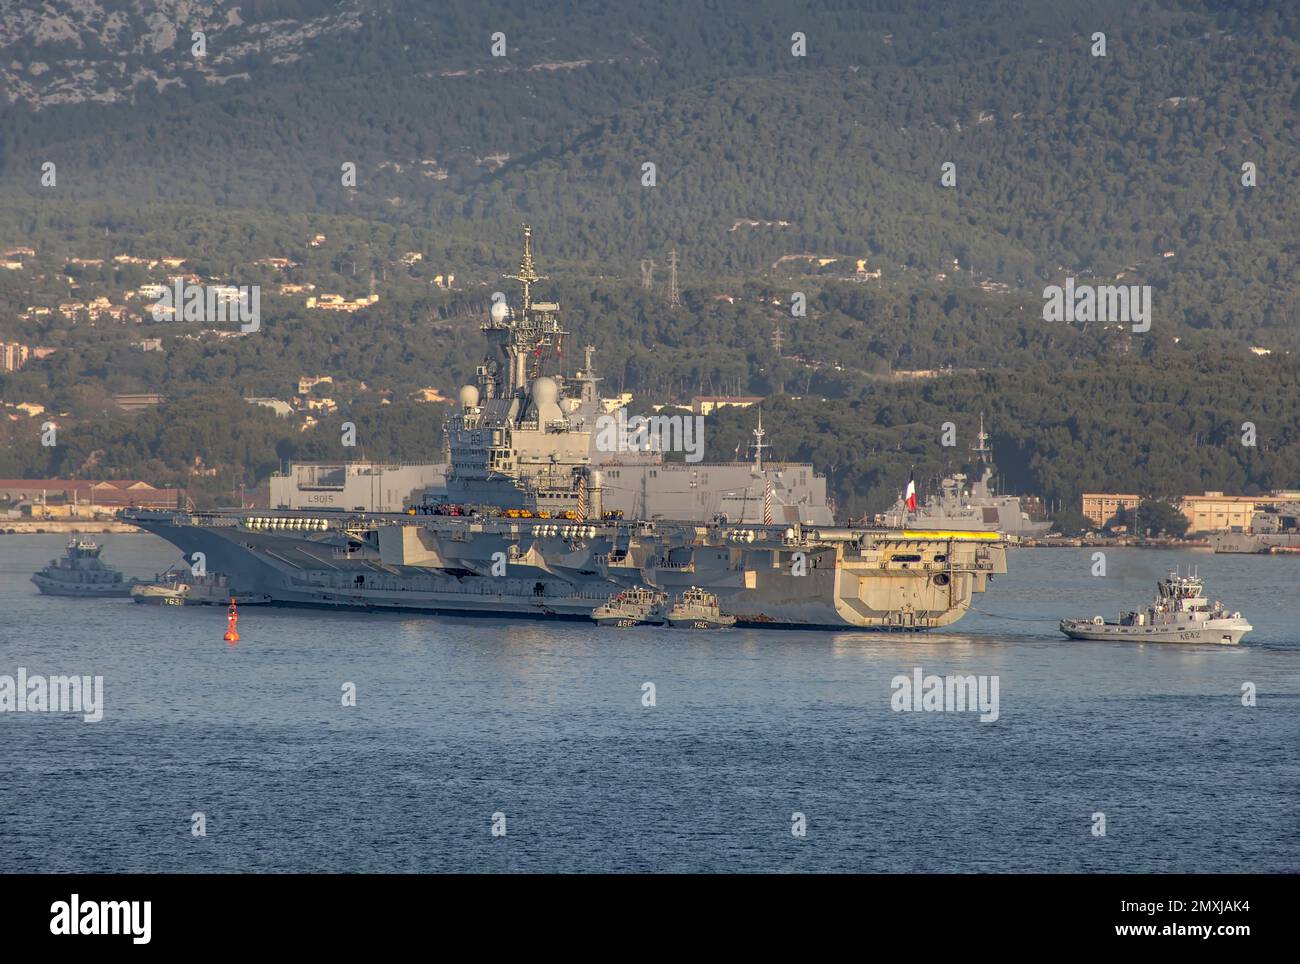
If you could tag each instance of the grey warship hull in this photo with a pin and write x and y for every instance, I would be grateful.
(1272, 529)
(1262, 543)
(765, 576)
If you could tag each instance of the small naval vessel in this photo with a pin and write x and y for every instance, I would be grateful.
(963, 508)
(635, 606)
(164, 590)
(180, 587)
(82, 573)
(1274, 529)
(1180, 613)
(552, 501)
(698, 609)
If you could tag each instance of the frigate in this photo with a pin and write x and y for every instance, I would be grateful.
(1180, 613)
(1272, 529)
(974, 507)
(553, 499)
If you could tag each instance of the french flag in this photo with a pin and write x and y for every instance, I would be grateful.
(910, 499)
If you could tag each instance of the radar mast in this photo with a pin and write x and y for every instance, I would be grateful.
(527, 275)
(981, 449)
(758, 445)
(520, 336)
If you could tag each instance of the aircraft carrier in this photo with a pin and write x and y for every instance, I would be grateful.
(542, 513)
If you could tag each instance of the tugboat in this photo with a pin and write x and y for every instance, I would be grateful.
(1180, 613)
(179, 587)
(83, 574)
(698, 609)
(631, 607)
(213, 589)
(167, 589)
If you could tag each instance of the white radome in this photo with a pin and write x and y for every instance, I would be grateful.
(545, 391)
(500, 312)
(469, 396)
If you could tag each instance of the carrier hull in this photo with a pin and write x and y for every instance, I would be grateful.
(765, 576)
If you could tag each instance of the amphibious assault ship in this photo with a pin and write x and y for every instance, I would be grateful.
(550, 504)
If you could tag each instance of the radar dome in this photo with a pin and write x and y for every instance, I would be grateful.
(545, 391)
(570, 405)
(500, 312)
(469, 396)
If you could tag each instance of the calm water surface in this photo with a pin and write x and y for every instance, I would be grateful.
(458, 719)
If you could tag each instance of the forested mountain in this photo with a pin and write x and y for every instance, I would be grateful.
(1063, 160)
(773, 174)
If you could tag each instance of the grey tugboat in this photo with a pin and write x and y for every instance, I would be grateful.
(698, 609)
(180, 587)
(82, 573)
(632, 607)
(1180, 613)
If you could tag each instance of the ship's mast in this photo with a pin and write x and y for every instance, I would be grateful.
(588, 375)
(527, 275)
(758, 444)
(984, 457)
(981, 448)
(523, 335)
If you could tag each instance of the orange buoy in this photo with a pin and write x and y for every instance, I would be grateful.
(232, 620)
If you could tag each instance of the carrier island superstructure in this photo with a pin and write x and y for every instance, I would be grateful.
(541, 514)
